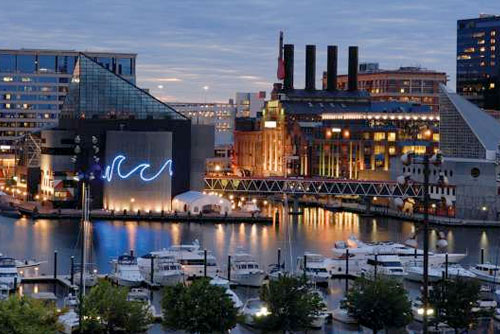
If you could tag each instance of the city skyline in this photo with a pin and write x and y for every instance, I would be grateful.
(184, 46)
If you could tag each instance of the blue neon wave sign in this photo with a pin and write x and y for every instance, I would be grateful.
(116, 166)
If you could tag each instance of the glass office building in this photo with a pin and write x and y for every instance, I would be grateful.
(33, 86)
(478, 63)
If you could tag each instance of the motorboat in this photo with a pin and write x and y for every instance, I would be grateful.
(254, 308)
(319, 319)
(388, 265)
(166, 270)
(486, 272)
(140, 295)
(125, 271)
(245, 270)
(341, 314)
(316, 268)
(90, 277)
(69, 321)
(224, 283)
(275, 272)
(407, 254)
(416, 273)
(192, 259)
(8, 272)
(4, 291)
(27, 264)
(417, 310)
(71, 301)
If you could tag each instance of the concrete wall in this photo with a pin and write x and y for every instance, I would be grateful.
(202, 148)
(134, 193)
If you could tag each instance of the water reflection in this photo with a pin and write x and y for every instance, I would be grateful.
(316, 230)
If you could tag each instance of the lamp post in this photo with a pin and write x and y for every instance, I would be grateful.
(425, 160)
(85, 174)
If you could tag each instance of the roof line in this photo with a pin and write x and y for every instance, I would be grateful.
(135, 86)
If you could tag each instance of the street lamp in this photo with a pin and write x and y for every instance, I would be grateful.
(425, 160)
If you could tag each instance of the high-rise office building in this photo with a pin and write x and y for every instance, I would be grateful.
(478, 67)
(33, 86)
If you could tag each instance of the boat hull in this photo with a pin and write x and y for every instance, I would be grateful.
(249, 279)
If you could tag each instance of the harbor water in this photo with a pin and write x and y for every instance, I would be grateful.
(316, 231)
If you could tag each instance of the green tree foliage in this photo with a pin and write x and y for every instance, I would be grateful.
(198, 308)
(379, 304)
(22, 315)
(107, 311)
(291, 303)
(454, 302)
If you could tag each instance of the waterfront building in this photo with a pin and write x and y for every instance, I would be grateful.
(330, 132)
(33, 86)
(478, 63)
(249, 104)
(220, 115)
(406, 84)
(146, 149)
(469, 141)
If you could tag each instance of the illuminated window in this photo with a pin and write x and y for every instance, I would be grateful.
(461, 57)
(492, 41)
(378, 136)
(392, 150)
(478, 34)
(435, 137)
(492, 85)
(8, 79)
(482, 49)
(493, 48)
(391, 136)
(25, 79)
(493, 33)
(480, 42)
(469, 50)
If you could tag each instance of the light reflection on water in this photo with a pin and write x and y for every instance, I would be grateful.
(316, 230)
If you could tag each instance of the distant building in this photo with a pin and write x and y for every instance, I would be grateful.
(470, 140)
(249, 104)
(478, 60)
(406, 84)
(330, 133)
(33, 86)
(220, 115)
(146, 151)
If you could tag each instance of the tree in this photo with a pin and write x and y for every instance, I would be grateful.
(198, 308)
(379, 304)
(106, 310)
(22, 315)
(454, 301)
(291, 303)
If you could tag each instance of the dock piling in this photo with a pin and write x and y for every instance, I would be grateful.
(229, 268)
(205, 262)
(72, 270)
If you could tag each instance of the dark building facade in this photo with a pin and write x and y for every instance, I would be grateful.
(141, 171)
(478, 63)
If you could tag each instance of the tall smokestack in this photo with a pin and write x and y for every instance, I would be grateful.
(288, 54)
(331, 69)
(310, 67)
(352, 81)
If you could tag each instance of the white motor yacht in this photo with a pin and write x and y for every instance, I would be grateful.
(8, 272)
(407, 254)
(142, 296)
(126, 272)
(69, 321)
(254, 308)
(224, 283)
(316, 268)
(192, 259)
(436, 273)
(487, 272)
(166, 270)
(388, 265)
(245, 270)
(90, 277)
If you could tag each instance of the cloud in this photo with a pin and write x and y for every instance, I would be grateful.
(231, 45)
